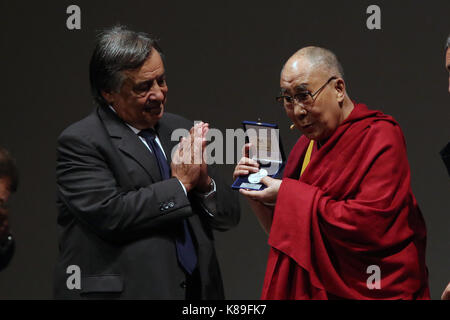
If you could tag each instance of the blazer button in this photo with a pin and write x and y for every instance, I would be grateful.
(183, 284)
(171, 204)
(166, 206)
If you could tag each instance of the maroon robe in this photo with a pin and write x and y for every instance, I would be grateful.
(352, 208)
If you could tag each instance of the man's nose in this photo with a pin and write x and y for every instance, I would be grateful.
(299, 110)
(157, 92)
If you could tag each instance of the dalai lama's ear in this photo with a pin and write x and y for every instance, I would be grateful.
(339, 86)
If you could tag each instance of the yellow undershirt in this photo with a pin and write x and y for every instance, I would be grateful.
(307, 156)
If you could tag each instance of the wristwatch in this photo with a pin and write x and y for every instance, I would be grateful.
(212, 188)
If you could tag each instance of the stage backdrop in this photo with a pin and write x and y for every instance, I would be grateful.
(223, 60)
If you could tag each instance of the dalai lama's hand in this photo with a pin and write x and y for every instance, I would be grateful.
(266, 196)
(245, 165)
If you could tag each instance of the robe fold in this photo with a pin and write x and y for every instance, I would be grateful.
(352, 210)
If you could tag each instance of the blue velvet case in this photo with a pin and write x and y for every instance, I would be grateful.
(274, 165)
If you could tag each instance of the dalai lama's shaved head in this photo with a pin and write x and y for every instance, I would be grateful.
(318, 59)
(313, 92)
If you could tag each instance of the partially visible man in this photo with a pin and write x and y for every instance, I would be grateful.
(445, 153)
(135, 220)
(345, 224)
(8, 185)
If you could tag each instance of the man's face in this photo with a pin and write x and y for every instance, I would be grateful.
(323, 115)
(5, 187)
(143, 94)
(447, 65)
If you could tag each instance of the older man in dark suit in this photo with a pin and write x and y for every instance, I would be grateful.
(135, 219)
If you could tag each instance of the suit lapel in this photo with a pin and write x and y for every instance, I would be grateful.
(129, 143)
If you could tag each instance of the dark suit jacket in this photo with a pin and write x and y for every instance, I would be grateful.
(117, 219)
(6, 252)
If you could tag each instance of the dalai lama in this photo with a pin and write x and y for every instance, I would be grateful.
(344, 207)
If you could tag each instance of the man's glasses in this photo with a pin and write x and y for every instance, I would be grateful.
(304, 98)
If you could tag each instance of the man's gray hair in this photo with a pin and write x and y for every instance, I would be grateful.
(117, 49)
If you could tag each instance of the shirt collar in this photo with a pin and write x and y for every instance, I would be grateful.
(136, 131)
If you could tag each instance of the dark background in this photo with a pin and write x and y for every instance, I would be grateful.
(223, 60)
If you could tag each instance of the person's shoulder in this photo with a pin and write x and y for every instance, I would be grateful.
(82, 129)
(175, 121)
(385, 130)
(386, 124)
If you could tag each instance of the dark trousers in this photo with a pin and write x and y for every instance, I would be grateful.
(193, 286)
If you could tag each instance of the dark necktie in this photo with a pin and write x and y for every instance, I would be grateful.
(184, 244)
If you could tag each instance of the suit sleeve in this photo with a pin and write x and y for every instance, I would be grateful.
(226, 204)
(89, 189)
